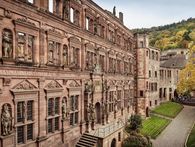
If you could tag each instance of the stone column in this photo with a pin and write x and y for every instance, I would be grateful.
(42, 47)
(41, 110)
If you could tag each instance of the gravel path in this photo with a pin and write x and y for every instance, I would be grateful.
(176, 132)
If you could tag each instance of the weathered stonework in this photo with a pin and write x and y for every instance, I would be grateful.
(47, 55)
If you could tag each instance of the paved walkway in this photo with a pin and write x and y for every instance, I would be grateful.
(176, 132)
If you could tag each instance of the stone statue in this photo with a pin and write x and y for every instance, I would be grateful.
(51, 52)
(89, 86)
(64, 110)
(7, 43)
(30, 47)
(92, 109)
(90, 112)
(114, 11)
(6, 120)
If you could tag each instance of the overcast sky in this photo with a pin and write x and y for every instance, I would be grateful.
(148, 13)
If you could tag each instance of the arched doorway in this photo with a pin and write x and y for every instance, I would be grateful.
(98, 113)
(147, 112)
(113, 143)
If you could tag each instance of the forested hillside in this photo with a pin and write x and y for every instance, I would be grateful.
(176, 35)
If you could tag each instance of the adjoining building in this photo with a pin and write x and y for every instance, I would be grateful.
(172, 62)
(148, 66)
(66, 71)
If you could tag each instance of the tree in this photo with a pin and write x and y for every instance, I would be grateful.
(134, 123)
(187, 75)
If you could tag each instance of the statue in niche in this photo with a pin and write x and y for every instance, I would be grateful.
(7, 43)
(30, 47)
(51, 54)
(115, 102)
(89, 86)
(64, 109)
(65, 55)
(21, 45)
(90, 112)
(6, 120)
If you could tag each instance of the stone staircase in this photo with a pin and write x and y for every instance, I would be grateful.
(87, 140)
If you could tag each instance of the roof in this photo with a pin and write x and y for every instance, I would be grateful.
(177, 61)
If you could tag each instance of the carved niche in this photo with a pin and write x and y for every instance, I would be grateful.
(6, 120)
(7, 43)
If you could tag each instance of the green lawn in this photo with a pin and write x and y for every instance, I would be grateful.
(154, 125)
(169, 109)
(191, 139)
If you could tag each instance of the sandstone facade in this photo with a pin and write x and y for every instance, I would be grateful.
(67, 67)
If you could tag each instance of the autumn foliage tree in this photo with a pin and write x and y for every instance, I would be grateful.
(187, 75)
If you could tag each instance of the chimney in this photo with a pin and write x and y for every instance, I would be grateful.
(121, 16)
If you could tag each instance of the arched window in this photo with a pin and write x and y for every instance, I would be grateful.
(7, 43)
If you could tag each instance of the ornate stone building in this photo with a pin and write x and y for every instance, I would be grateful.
(148, 66)
(66, 73)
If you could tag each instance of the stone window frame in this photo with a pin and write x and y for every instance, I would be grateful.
(25, 95)
(90, 16)
(111, 101)
(74, 109)
(57, 38)
(77, 10)
(74, 43)
(26, 26)
(92, 55)
(26, 38)
(53, 115)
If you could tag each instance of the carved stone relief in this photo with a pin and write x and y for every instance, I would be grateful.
(6, 81)
(24, 85)
(53, 85)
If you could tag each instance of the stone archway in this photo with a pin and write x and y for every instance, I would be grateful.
(113, 143)
(98, 112)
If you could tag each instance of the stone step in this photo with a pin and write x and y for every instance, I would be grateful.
(87, 142)
(88, 139)
(79, 145)
(84, 144)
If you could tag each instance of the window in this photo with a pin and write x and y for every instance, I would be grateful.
(119, 136)
(53, 114)
(101, 62)
(156, 102)
(30, 132)
(72, 15)
(20, 134)
(31, 1)
(141, 44)
(51, 6)
(119, 97)
(155, 74)
(74, 105)
(149, 73)
(150, 103)
(53, 53)
(126, 97)
(87, 23)
(30, 110)
(111, 101)
(25, 45)
(25, 121)
(141, 93)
